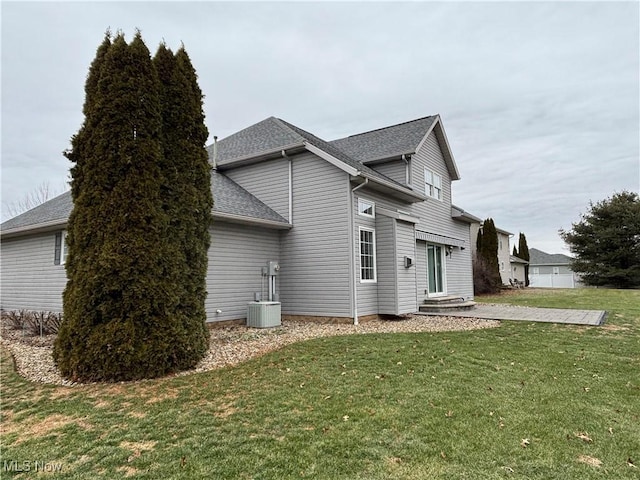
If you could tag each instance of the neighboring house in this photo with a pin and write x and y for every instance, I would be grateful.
(360, 226)
(517, 268)
(551, 270)
(504, 256)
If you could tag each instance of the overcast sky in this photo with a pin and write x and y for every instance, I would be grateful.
(540, 101)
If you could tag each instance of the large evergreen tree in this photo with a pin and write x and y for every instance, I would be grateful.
(187, 193)
(523, 253)
(606, 242)
(486, 270)
(490, 247)
(121, 299)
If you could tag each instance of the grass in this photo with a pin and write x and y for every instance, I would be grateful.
(522, 401)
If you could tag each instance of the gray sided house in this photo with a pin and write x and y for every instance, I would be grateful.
(360, 226)
(504, 257)
(551, 270)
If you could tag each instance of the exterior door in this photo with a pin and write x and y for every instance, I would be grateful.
(435, 270)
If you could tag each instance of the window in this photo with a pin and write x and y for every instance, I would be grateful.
(556, 270)
(433, 184)
(60, 249)
(536, 270)
(367, 255)
(502, 266)
(366, 208)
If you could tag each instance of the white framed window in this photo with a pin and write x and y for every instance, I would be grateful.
(432, 184)
(502, 266)
(60, 248)
(367, 255)
(536, 271)
(366, 208)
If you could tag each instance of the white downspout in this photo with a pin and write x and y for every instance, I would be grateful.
(352, 250)
(284, 154)
(290, 191)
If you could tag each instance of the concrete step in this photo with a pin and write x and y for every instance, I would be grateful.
(444, 307)
(441, 300)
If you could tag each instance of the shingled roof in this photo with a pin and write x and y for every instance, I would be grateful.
(538, 257)
(386, 142)
(230, 200)
(266, 136)
(273, 135)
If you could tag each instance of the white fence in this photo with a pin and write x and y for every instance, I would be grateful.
(551, 280)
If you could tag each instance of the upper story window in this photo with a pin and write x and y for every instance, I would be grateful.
(60, 249)
(367, 255)
(432, 184)
(366, 208)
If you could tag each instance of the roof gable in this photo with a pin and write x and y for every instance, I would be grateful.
(402, 139)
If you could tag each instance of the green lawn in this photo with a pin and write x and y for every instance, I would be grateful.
(528, 401)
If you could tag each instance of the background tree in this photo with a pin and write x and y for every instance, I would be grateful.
(515, 251)
(606, 242)
(523, 253)
(122, 296)
(486, 270)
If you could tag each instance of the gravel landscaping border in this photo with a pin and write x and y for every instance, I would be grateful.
(234, 344)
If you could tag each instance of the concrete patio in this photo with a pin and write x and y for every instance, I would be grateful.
(532, 314)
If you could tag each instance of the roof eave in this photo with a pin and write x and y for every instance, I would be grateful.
(389, 188)
(230, 217)
(37, 228)
(389, 158)
(463, 216)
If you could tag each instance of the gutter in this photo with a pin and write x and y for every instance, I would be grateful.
(40, 227)
(404, 191)
(230, 217)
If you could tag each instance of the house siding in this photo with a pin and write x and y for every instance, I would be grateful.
(236, 257)
(267, 181)
(367, 292)
(504, 256)
(459, 273)
(396, 170)
(387, 287)
(406, 277)
(435, 217)
(29, 278)
(314, 276)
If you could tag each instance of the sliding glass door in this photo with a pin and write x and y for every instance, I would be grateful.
(435, 269)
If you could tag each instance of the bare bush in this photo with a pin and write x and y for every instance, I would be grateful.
(33, 323)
